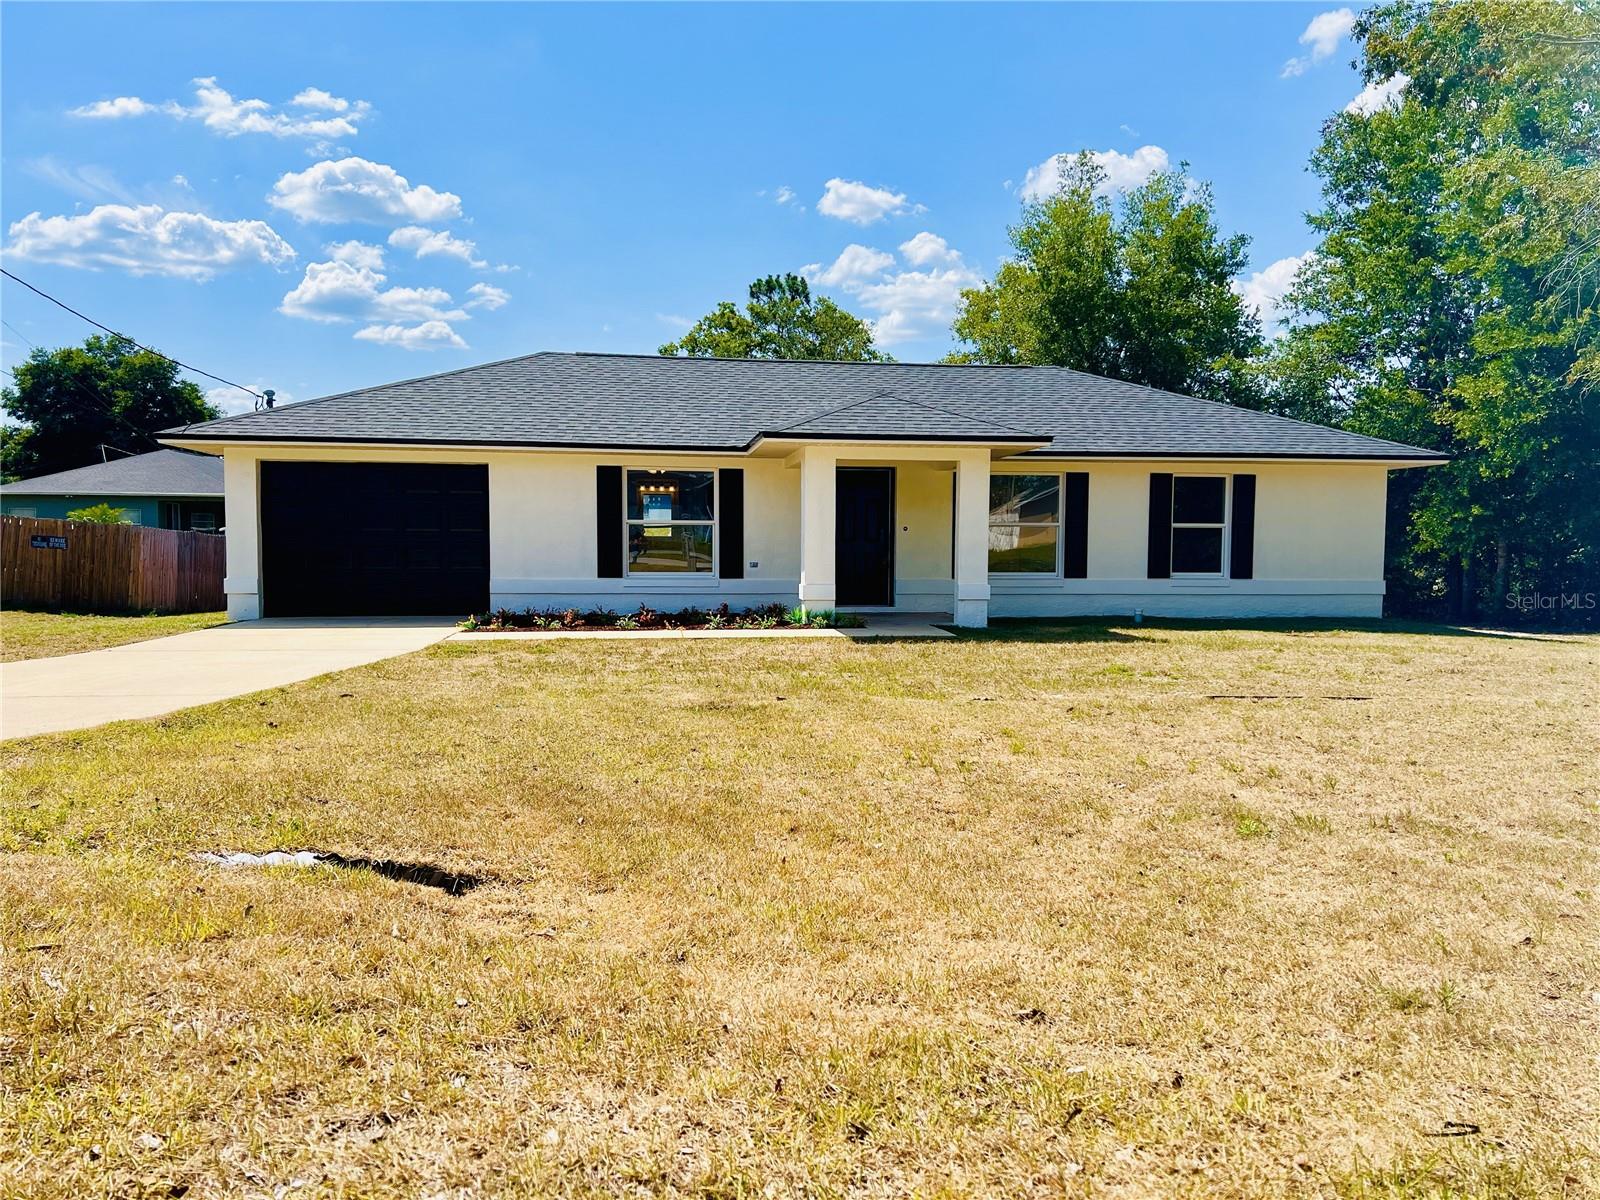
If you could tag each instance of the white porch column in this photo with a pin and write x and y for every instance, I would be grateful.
(972, 539)
(242, 583)
(818, 500)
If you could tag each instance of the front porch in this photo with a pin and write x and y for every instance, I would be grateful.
(898, 529)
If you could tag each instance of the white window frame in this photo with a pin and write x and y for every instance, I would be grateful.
(716, 526)
(1227, 524)
(1061, 498)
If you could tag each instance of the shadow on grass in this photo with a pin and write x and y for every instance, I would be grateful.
(1123, 629)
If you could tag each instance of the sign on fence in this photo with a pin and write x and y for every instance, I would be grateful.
(109, 568)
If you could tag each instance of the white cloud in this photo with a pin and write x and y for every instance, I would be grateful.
(907, 305)
(429, 335)
(851, 200)
(360, 254)
(338, 290)
(87, 182)
(417, 304)
(216, 108)
(1323, 35)
(916, 304)
(928, 248)
(784, 195)
(317, 98)
(122, 106)
(1123, 172)
(425, 242)
(855, 265)
(1376, 97)
(354, 189)
(350, 289)
(486, 295)
(145, 239)
(1263, 291)
(683, 324)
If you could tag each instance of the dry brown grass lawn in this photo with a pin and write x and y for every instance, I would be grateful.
(28, 634)
(1028, 914)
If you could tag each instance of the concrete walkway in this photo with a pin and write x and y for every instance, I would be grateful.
(146, 679)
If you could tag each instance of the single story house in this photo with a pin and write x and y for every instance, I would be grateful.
(611, 480)
(167, 489)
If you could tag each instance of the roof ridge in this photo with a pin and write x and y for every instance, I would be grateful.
(891, 394)
(835, 362)
(376, 387)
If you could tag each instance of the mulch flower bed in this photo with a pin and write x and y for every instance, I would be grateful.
(572, 620)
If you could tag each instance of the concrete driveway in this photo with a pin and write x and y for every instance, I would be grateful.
(146, 679)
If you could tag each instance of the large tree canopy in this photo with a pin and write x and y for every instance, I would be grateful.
(782, 320)
(1138, 291)
(65, 404)
(1451, 300)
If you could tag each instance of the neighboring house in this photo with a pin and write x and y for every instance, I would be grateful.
(169, 489)
(585, 480)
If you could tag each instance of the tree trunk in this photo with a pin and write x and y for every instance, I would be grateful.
(1502, 569)
(1466, 604)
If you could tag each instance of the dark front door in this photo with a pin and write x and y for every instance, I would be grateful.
(864, 529)
(374, 539)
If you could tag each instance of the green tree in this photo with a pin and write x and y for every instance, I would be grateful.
(1451, 300)
(782, 320)
(65, 404)
(99, 514)
(1138, 291)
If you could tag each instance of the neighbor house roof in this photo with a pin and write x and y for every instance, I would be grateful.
(623, 401)
(158, 473)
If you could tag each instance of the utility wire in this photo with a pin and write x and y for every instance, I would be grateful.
(126, 338)
(19, 333)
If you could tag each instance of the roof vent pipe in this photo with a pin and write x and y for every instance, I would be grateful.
(267, 394)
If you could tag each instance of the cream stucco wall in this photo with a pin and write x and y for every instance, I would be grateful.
(1318, 546)
(1318, 550)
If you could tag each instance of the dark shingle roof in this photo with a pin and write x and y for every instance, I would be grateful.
(617, 401)
(158, 473)
(888, 416)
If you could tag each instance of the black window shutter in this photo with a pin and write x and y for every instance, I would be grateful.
(608, 522)
(730, 523)
(1160, 560)
(1075, 526)
(1242, 550)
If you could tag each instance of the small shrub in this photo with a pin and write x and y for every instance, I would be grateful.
(100, 514)
(716, 620)
(600, 618)
(627, 622)
(470, 625)
(849, 621)
(796, 616)
(647, 617)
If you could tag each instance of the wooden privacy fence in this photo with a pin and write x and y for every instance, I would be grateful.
(76, 566)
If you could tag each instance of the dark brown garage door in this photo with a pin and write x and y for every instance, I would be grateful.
(374, 539)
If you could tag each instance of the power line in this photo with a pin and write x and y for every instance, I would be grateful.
(19, 333)
(126, 338)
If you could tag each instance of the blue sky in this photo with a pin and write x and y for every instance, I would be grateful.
(367, 192)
